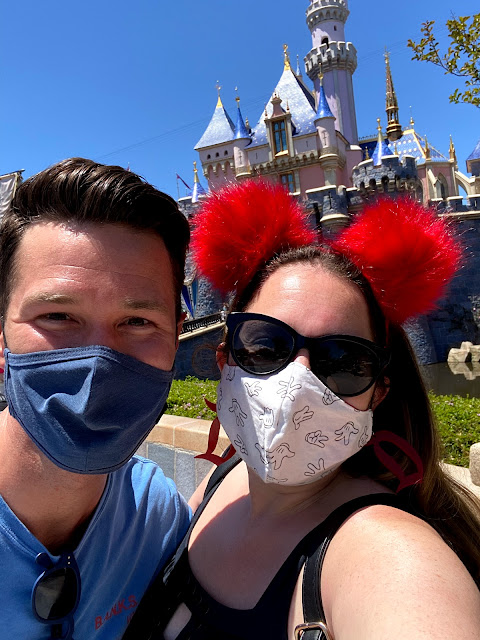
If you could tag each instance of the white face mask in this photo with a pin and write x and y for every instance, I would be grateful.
(288, 426)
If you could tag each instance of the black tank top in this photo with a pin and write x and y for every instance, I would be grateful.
(268, 619)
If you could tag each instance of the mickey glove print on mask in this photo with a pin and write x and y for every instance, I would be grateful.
(292, 429)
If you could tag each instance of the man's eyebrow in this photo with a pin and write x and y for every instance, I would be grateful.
(44, 296)
(146, 304)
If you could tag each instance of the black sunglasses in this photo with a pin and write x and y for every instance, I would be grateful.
(56, 593)
(347, 365)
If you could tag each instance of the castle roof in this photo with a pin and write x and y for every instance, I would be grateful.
(197, 190)
(300, 102)
(475, 155)
(241, 130)
(219, 130)
(323, 109)
(381, 150)
(413, 144)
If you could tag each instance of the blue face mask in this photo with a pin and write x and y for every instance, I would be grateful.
(87, 408)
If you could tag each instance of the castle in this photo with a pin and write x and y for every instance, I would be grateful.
(307, 139)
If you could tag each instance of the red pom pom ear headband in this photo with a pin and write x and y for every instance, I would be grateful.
(406, 252)
(238, 229)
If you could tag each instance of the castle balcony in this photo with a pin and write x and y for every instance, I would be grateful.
(323, 10)
(336, 55)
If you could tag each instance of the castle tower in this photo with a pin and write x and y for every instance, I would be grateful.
(394, 129)
(198, 190)
(216, 149)
(335, 59)
(241, 138)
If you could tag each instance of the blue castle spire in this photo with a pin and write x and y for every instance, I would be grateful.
(323, 108)
(241, 132)
(198, 190)
(381, 149)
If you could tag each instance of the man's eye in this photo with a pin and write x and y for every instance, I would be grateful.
(137, 322)
(56, 316)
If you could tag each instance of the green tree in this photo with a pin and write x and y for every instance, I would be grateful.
(461, 59)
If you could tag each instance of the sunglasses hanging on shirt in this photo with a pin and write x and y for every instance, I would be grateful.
(56, 593)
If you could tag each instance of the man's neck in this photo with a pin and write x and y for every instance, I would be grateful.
(55, 505)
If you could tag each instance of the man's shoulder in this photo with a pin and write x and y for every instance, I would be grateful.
(143, 475)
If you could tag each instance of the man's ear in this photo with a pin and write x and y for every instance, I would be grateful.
(179, 327)
(381, 389)
(221, 355)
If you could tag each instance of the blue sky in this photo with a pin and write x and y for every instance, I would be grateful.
(133, 83)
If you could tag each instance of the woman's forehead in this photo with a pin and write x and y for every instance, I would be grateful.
(313, 301)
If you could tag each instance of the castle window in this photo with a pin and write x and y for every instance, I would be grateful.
(217, 155)
(208, 157)
(288, 181)
(279, 136)
(334, 27)
(325, 41)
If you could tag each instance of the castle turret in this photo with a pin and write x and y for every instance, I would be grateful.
(241, 138)
(335, 59)
(198, 190)
(381, 149)
(325, 124)
(215, 147)
(394, 129)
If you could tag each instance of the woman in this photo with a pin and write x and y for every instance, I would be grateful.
(315, 361)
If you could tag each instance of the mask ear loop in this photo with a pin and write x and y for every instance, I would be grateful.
(405, 480)
(213, 436)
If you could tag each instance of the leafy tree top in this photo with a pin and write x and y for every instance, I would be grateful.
(461, 59)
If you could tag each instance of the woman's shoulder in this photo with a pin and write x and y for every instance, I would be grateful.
(396, 561)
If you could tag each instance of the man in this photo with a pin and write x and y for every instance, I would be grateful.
(91, 268)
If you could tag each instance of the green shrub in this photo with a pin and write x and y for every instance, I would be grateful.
(458, 418)
(186, 398)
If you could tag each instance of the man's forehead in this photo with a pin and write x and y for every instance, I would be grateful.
(60, 250)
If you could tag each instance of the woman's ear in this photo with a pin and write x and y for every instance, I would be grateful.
(381, 389)
(221, 355)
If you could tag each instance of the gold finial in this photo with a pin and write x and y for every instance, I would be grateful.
(286, 57)
(412, 121)
(427, 149)
(237, 97)
(453, 154)
(195, 172)
(379, 126)
(367, 155)
(219, 101)
(247, 123)
(320, 76)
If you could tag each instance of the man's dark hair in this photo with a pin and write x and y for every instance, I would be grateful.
(77, 191)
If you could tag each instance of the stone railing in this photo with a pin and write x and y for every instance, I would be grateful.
(201, 323)
(175, 442)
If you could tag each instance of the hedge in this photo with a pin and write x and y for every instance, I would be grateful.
(458, 418)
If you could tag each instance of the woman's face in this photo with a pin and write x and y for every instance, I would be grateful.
(315, 302)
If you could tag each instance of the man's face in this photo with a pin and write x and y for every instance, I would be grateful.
(86, 285)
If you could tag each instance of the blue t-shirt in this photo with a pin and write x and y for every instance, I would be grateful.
(138, 523)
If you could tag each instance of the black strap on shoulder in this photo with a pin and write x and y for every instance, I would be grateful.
(221, 471)
(311, 591)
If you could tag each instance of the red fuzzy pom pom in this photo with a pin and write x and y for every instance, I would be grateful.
(239, 228)
(406, 252)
